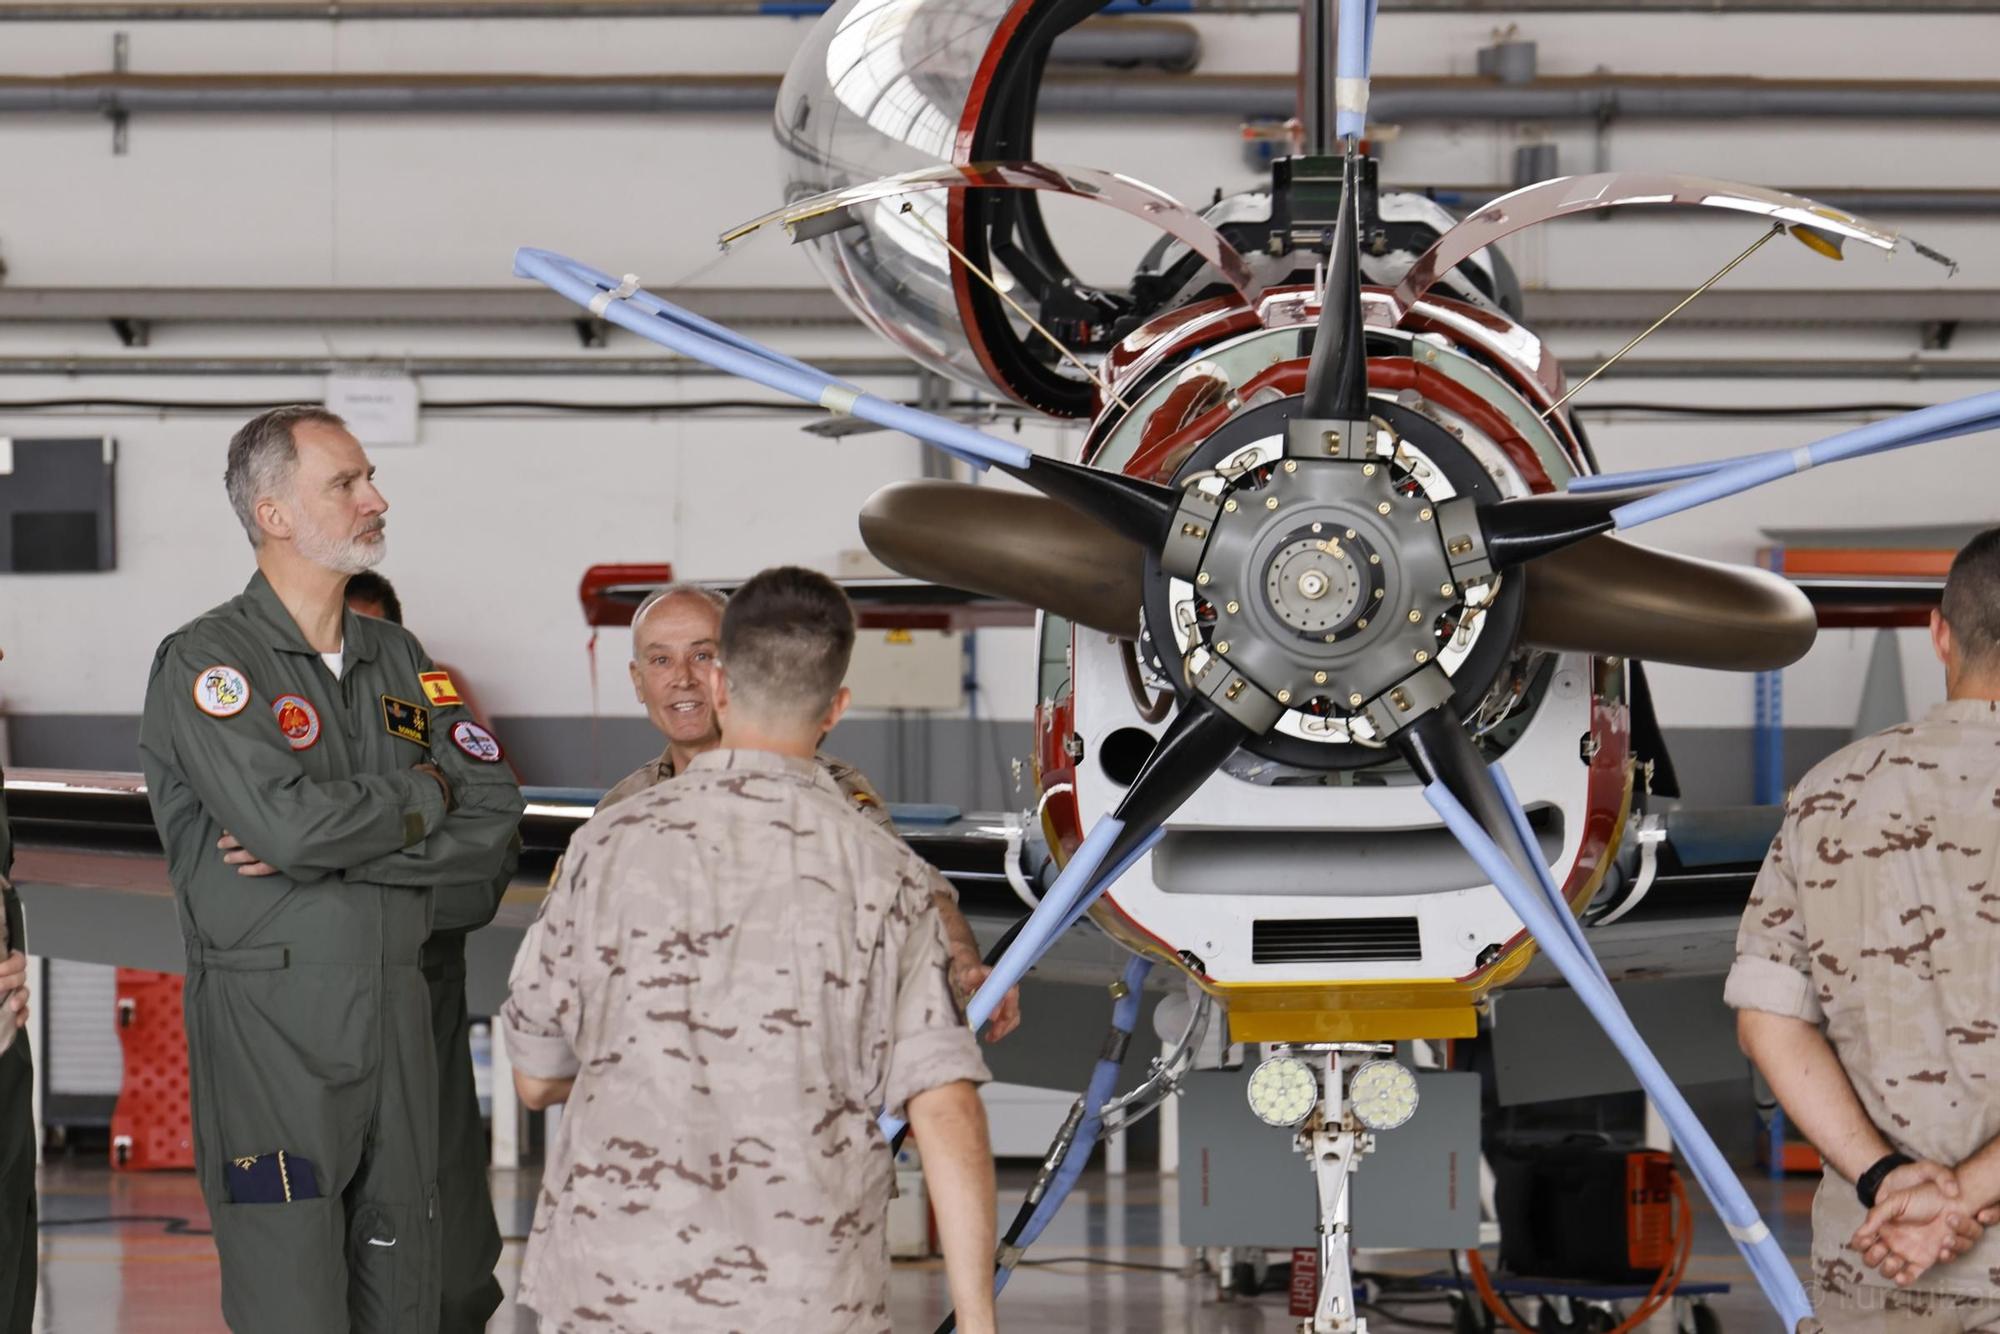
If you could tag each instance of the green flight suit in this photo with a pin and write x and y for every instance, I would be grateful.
(308, 1016)
(471, 1293)
(19, 1240)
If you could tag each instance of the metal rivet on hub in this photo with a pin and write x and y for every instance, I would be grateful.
(1446, 589)
(1331, 638)
(1383, 508)
(1231, 608)
(1351, 534)
(1318, 526)
(1415, 616)
(1222, 646)
(1270, 502)
(1422, 656)
(1367, 470)
(1361, 624)
(1319, 678)
(1291, 465)
(1229, 505)
(1354, 701)
(1284, 697)
(1424, 514)
(1378, 592)
(1201, 578)
(1333, 442)
(1374, 559)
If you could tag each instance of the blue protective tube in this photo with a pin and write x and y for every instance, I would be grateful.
(1351, 62)
(1920, 427)
(1524, 833)
(1045, 923)
(1760, 1249)
(1103, 1083)
(1106, 882)
(671, 327)
(1616, 481)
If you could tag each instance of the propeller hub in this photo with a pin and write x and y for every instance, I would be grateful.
(1315, 584)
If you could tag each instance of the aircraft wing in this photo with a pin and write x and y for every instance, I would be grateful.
(94, 884)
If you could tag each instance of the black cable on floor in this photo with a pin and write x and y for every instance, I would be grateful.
(174, 1226)
(1104, 1261)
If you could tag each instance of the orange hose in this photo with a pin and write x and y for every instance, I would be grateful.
(1662, 1292)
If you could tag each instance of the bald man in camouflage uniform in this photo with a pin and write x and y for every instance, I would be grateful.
(1867, 984)
(731, 976)
(675, 634)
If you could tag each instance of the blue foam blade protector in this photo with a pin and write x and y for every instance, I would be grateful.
(659, 321)
(1760, 1249)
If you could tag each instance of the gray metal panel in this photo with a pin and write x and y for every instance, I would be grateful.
(84, 1054)
(1546, 1045)
(1242, 1185)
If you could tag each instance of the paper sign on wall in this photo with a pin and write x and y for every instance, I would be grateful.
(380, 409)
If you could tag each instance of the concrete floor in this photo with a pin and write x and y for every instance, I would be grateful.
(138, 1277)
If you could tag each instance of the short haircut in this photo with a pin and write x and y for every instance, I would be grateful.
(1971, 604)
(786, 639)
(668, 594)
(369, 586)
(263, 456)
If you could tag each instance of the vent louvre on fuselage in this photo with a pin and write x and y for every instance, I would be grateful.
(1336, 940)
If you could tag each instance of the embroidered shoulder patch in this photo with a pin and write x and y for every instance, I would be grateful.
(439, 689)
(297, 719)
(412, 722)
(477, 742)
(221, 692)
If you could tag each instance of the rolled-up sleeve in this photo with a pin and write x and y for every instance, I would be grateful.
(931, 1045)
(1773, 969)
(544, 1008)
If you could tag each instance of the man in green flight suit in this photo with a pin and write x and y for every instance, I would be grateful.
(18, 1236)
(325, 804)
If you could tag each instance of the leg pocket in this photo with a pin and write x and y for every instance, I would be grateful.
(282, 1267)
(391, 1253)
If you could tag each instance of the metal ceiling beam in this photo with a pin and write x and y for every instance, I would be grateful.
(763, 307)
(1593, 98)
(350, 11)
(1912, 369)
(814, 307)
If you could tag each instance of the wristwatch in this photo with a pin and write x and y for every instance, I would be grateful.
(1870, 1181)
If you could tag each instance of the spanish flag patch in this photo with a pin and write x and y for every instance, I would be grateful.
(439, 690)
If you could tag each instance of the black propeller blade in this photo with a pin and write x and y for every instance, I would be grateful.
(1195, 744)
(1437, 746)
(1141, 510)
(1337, 376)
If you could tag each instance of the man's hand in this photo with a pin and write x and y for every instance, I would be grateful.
(1920, 1225)
(968, 973)
(14, 974)
(444, 784)
(245, 861)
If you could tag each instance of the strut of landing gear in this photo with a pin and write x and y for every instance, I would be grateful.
(1336, 1095)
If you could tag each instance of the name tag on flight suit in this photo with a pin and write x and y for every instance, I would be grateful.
(412, 722)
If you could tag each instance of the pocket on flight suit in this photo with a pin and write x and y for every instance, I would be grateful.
(391, 1256)
(268, 1281)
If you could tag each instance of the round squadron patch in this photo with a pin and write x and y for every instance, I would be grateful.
(297, 719)
(221, 692)
(477, 742)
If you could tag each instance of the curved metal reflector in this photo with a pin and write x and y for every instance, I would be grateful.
(817, 214)
(1819, 225)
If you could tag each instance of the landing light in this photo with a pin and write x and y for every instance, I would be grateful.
(1383, 1095)
(1283, 1091)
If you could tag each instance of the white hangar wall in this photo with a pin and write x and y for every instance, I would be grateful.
(495, 516)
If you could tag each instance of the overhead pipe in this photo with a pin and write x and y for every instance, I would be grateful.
(1631, 368)
(350, 11)
(1591, 99)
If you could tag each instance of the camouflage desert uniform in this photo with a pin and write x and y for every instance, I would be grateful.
(853, 784)
(739, 975)
(1877, 916)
